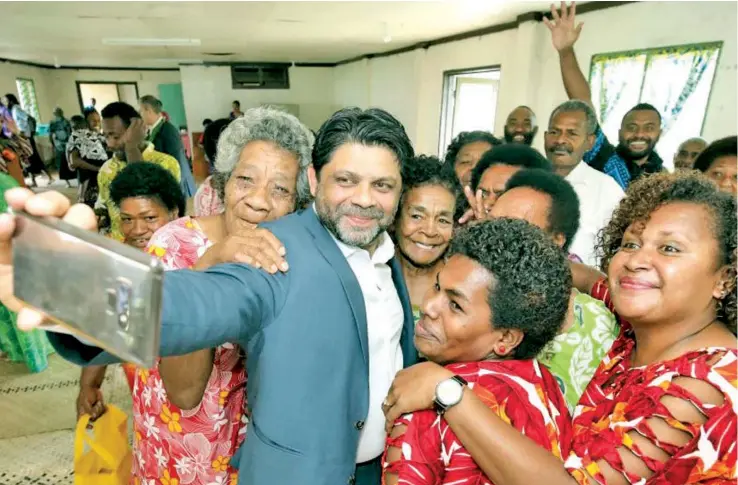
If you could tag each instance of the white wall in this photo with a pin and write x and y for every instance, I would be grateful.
(410, 85)
(208, 94)
(10, 72)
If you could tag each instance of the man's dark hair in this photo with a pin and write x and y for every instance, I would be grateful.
(371, 127)
(423, 170)
(563, 214)
(78, 122)
(12, 100)
(509, 154)
(464, 138)
(121, 110)
(206, 121)
(143, 179)
(237, 103)
(531, 280)
(152, 102)
(644, 107)
(719, 148)
(88, 111)
(210, 138)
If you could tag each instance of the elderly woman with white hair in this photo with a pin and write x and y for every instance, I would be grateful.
(189, 411)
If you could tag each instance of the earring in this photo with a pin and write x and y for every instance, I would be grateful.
(502, 349)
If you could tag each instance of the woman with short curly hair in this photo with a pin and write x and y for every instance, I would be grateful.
(501, 296)
(661, 407)
(465, 151)
(261, 174)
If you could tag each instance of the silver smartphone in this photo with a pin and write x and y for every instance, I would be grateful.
(103, 291)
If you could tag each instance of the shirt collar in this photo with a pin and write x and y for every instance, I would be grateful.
(383, 254)
(579, 173)
(155, 125)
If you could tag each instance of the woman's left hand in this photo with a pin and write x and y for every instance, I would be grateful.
(412, 390)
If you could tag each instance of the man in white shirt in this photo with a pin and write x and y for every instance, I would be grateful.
(570, 134)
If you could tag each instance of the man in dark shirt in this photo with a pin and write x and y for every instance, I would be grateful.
(166, 139)
(641, 126)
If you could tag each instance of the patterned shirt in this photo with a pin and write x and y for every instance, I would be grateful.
(573, 356)
(622, 399)
(207, 202)
(112, 167)
(521, 392)
(189, 447)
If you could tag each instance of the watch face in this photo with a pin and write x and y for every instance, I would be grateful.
(449, 392)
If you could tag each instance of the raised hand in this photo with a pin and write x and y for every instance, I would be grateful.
(564, 29)
(135, 134)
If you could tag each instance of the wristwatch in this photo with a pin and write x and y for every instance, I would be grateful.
(449, 393)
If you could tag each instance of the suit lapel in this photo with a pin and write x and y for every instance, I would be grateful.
(409, 353)
(330, 251)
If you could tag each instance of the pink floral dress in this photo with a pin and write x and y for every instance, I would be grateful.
(207, 202)
(177, 447)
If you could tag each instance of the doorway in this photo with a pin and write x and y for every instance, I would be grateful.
(105, 92)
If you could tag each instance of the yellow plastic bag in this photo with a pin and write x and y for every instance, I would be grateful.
(103, 456)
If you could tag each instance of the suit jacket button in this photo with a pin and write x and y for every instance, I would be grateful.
(359, 425)
(351, 480)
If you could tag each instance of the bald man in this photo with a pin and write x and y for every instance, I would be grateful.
(687, 153)
(521, 126)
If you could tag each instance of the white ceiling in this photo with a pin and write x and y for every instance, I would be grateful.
(71, 33)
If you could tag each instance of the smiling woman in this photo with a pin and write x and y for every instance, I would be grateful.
(425, 222)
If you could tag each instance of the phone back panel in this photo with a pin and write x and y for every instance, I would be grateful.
(102, 290)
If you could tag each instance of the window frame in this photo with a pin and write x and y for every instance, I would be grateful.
(34, 110)
(650, 52)
(448, 109)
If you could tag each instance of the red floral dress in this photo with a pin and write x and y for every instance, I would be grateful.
(177, 447)
(521, 392)
(622, 399)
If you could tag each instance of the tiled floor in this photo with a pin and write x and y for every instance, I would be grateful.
(37, 418)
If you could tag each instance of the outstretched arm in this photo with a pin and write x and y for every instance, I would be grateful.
(564, 34)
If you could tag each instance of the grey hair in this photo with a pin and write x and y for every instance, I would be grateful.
(265, 124)
(577, 106)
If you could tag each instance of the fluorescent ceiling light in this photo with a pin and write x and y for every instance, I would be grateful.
(151, 42)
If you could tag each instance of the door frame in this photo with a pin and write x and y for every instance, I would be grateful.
(117, 83)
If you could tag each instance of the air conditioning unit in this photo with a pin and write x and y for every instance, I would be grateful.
(260, 76)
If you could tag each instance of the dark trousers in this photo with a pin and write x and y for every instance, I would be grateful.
(370, 472)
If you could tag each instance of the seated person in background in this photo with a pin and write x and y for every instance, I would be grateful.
(521, 126)
(125, 134)
(425, 223)
(263, 158)
(465, 151)
(489, 177)
(548, 201)
(718, 162)
(661, 409)
(688, 152)
(640, 128)
(148, 197)
(486, 318)
(207, 199)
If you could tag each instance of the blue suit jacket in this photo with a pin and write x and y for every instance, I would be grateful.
(305, 335)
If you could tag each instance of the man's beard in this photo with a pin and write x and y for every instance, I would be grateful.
(625, 151)
(357, 237)
(527, 137)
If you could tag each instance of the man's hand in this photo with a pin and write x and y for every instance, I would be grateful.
(52, 204)
(563, 27)
(135, 134)
(258, 248)
(476, 202)
(90, 401)
(413, 389)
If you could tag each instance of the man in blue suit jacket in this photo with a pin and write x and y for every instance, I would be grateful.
(323, 340)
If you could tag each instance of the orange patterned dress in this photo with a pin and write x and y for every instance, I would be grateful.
(195, 447)
(521, 392)
(622, 399)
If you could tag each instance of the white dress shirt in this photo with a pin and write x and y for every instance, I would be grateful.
(384, 318)
(599, 195)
